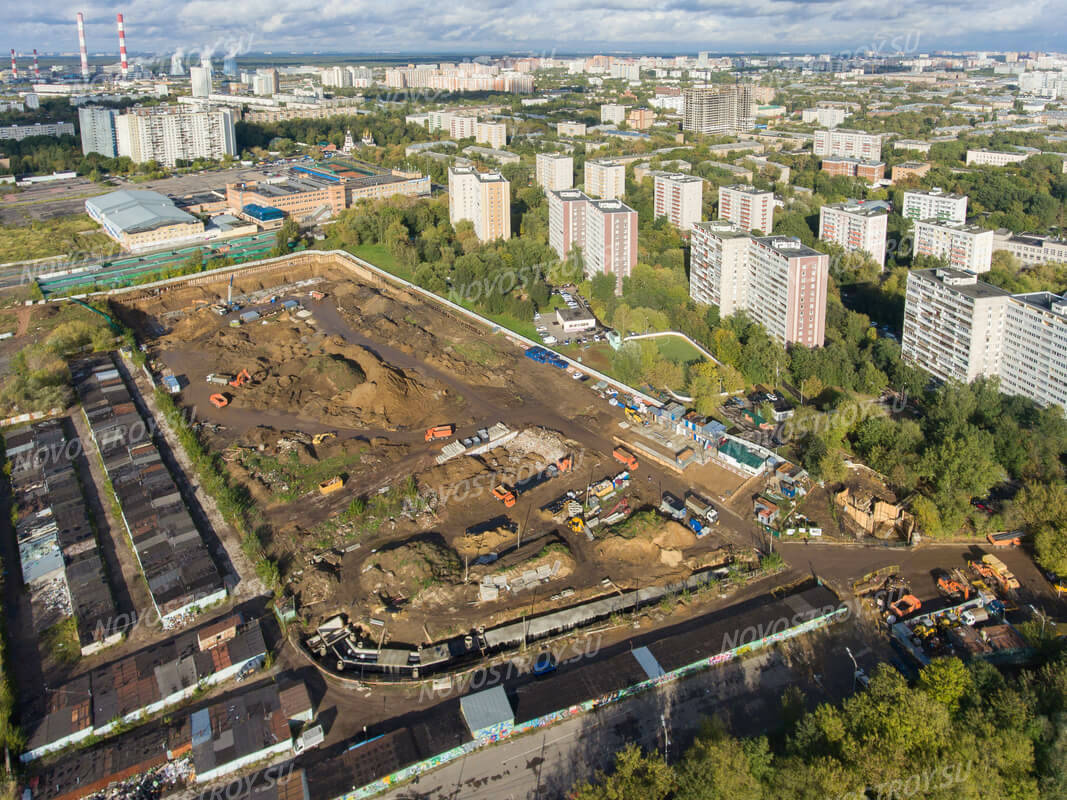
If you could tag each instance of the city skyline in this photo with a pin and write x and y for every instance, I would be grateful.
(766, 26)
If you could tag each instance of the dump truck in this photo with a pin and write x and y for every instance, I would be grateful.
(219, 400)
(905, 606)
(331, 485)
(219, 379)
(626, 457)
(504, 495)
(1001, 573)
(439, 432)
(701, 508)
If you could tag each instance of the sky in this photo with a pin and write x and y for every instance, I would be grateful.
(545, 27)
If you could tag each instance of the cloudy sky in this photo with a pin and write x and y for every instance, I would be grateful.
(540, 27)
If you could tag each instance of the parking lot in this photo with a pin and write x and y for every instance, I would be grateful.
(553, 332)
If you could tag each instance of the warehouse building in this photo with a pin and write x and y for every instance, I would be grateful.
(140, 220)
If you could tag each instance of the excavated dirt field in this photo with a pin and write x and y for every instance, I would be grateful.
(368, 370)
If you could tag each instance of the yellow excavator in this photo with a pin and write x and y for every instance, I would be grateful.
(319, 438)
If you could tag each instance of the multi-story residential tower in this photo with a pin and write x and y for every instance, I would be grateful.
(747, 207)
(613, 113)
(566, 220)
(169, 134)
(679, 198)
(494, 134)
(98, 130)
(718, 272)
(610, 240)
(935, 204)
(787, 290)
(856, 226)
(966, 247)
(725, 110)
(849, 144)
(484, 198)
(605, 179)
(554, 171)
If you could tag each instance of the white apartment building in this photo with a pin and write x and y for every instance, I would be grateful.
(1034, 358)
(604, 230)
(824, 117)
(612, 113)
(996, 158)
(610, 240)
(482, 197)
(856, 227)
(679, 198)
(20, 132)
(849, 144)
(200, 81)
(565, 129)
(554, 171)
(674, 103)
(629, 72)
(605, 179)
(728, 110)
(953, 324)
(494, 134)
(747, 207)
(935, 204)
(98, 130)
(1031, 249)
(169, 134)
(787, 283)
(718, 273)
(965, 247)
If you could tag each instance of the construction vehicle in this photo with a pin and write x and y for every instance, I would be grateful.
(633, 415)
(1005, 538)
(952, 588)
(672, 507)
(1001, 573)
(701, 508)
(439, 432)
(242, 378)
(316, 295)
(504, 495)
(331, 485)
(905, 606)
(565, 464)
(319, 438)
(219, 400)
(576, 524)
(626, 457)
(219, 379)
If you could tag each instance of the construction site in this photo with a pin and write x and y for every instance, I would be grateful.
(418, 475)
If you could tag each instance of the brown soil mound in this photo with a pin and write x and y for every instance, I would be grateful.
(472, 544)
(627, 551)
(402, 572)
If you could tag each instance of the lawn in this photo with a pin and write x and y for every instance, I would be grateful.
(379, 256)
(678, 350)
(54, 237)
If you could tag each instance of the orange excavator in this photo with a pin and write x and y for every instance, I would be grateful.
(242, 378)
(952, 588)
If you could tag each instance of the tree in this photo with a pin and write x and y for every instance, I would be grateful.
(811, 388)
(636, 777)
(946, 681)
(1050, 548)
(718, 767)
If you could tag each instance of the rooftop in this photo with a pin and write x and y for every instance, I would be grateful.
(136, 210)
(961, 281)
(789, 246)
(873, 208)
(747, 188)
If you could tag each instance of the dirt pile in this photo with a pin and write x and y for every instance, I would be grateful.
(648, 540)
(400, 573)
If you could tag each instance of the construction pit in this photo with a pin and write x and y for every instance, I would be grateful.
(332, 383)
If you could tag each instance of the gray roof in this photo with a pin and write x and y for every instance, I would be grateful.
(486, 709)
(133, 210)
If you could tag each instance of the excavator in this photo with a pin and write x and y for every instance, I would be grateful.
(576, 524)
(952, 588)
(319, 438)
(242, 378)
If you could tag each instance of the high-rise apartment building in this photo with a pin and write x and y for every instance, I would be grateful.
(200, 81)
(484, 198)
(612, 113)
(962, 246)
(605, 230)
(935, 204)
(856, 226)
(849, 144)
(570, 129)
(605, 179)
(1033, 362)
(728, 110)
(494, 134)
(98, 130)
(679, 198)
(787, 290)
(169, 134)
(554, 171)
(747, 207)
(718, 273)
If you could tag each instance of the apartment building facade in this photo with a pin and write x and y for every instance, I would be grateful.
(848, 167)
(847, 143)
(98, 130)
(566, 220)
(718, 273)
(935, 204)
(965, 247)
(1031, 249)
(787, 290)
(679, 198)
(484, 198)
(1034, 358)
(747, 207)
(554, 171)
(612, 113)
(856, 227)
(605, 230)
(728, 110)
(996, 158)
(565, 129)
(605, 179)
(169, 134)
(494, 134)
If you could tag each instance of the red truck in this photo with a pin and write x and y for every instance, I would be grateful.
(439, 432)
(626, 457)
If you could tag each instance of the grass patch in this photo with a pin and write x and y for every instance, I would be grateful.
(379, 256)
(640, 523)
(678, 350)
(54, 237)
(61, 640)
(298, 478)
(481, 353)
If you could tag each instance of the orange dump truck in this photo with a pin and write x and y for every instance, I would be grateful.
(504, 495)
(440, 432)
(626, 457)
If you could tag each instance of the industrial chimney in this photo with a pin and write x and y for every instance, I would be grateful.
(36, 69)
(122, 47)
(81, 46)
(14, 66)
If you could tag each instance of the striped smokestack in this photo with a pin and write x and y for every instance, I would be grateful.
(122, 46)
(36, 69)
(14, 66)
(81, 46)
